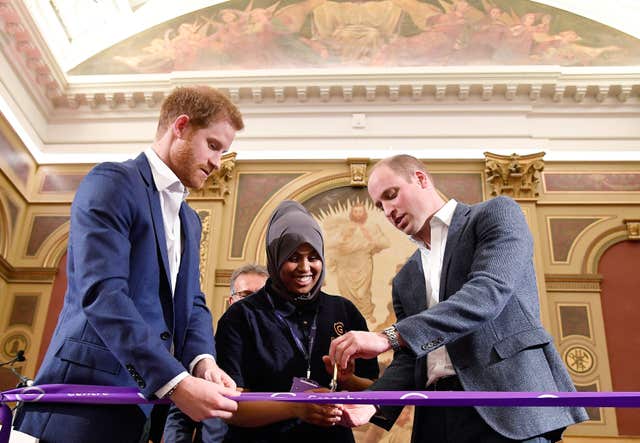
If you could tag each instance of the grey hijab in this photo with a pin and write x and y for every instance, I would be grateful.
(290, 226)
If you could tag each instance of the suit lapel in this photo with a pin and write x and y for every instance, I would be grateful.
(458, 222)
(156, 212)
(180, 298)
(415, 301)
(415, 298)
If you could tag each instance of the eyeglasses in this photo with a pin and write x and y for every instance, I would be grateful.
(241, 294)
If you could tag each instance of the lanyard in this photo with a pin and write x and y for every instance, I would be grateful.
(312, 334)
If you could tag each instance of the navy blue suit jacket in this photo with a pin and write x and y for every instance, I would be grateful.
(488, 318)
(119, 319)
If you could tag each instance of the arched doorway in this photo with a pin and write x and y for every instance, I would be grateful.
(620, 292)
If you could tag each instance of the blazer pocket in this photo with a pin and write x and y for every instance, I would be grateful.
(531, 338)
(89, 355)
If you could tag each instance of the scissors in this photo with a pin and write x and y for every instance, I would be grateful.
(333, 384)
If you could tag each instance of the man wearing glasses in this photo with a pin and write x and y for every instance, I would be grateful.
(246, 280)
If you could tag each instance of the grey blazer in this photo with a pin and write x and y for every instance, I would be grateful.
(488, 318)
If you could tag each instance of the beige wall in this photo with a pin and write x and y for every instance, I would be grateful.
(581, 210)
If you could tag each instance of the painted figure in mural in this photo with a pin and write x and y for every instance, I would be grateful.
(444, 33)
(366, 32)
(134, 313)
(356, 31)
(564, 48)
(310, 33)
(468, 314)
(518, 42)
(351, 244)
(276, 339)
(489, 34)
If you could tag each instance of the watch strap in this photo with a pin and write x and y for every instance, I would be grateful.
(392, 335)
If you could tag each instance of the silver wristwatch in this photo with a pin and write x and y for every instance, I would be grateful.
(392, 335)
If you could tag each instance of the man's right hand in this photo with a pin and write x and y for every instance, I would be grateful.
(201, 399)
(356, 415)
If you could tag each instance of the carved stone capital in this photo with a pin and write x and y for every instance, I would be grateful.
(358, 167)
(633, 228)
(516, 176)
(217, 186)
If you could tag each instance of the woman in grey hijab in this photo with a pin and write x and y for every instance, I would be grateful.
(275, 339)
(291, 227)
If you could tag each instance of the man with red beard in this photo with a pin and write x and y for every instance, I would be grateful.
(134, 314)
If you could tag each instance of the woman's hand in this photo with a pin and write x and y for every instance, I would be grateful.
(347, 379)
(343, 374)
(319, 414)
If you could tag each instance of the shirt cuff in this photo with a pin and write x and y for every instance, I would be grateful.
(197, 358)
(160, 393)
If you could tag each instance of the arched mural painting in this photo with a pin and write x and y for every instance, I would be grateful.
(359, 258)
(283, 34)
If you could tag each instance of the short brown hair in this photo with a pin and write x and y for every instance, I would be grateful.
(403, 165)
(202, 104)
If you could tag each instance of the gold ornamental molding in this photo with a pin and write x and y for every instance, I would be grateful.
(573, 282)
(54, 90)
(25, 275)
(14, 341)
(358, 169)
(218, 186)
(223, 277)
(205, 219)
(516, 176)
(633, 228)
(579, 359)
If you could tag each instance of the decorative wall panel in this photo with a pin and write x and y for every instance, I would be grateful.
(16, 159)
(564, 232)
(591, 182)
(575, 320)
(23, 310)
(43, 226)
(61, 182)
(464, 187)
(254, 190)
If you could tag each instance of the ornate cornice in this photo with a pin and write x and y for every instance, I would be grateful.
(327, 86)
(29, 53)
(522, 84)
(223, 277)
(516, 176)
(573, 282)
(25, 275)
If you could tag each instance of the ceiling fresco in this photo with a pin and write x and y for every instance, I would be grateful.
(263, 34)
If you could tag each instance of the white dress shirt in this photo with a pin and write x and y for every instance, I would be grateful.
(438, 361)
(172, 194)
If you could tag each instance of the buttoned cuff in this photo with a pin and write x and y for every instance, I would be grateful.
(197, 358)
(160, 393)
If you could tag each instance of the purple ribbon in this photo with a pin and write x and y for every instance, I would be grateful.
(86, 394)
(455, 398)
